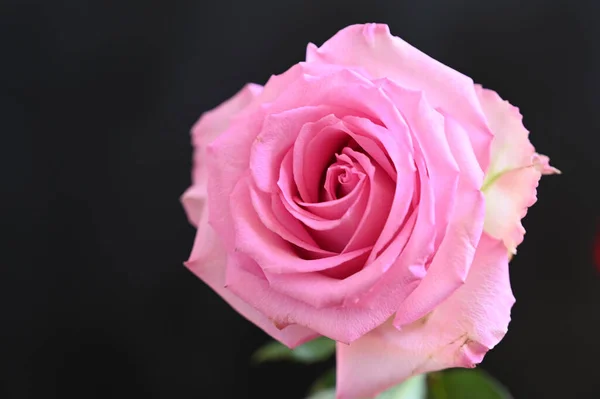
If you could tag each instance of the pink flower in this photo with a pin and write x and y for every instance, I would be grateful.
(371, 195)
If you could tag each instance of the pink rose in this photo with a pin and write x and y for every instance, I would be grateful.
(371, 195)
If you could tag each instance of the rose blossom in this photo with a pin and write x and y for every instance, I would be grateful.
(371, 195)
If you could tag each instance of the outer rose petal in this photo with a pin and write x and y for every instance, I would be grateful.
(450, 266)
(515, 170)
(211, 124)
(458, 333)
(373, 48)
(208, 260)
(459, 208)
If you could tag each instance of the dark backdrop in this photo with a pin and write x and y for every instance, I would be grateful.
(97, 98)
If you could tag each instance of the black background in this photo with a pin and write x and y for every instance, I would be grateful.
(97, 98)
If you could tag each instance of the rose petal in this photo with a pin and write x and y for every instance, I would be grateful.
(507, 200)
(227, 161)
(342, 237)
(452, 261)
(373, 140)
(344, 89)
(347, 178)
(427, 128)
(208, 260)
(510, 147)
(319, 289)
(403, 261)
(458, 333)
(207, 128)
(325, 289)
(459, 228)
(228, 156)
(270, 250)
(400, 152)
(317, 142)
(335, 208)
(344, 324)
(381, 55)
(515, 170)
(380, 144)
(376, 212)
(276, 218)
(279, 133)
(341, 229)
(272, 258)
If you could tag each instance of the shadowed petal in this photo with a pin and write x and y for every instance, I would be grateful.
(210, 125)
(458, 333)
(208, 261)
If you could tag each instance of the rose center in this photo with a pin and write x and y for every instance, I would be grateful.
(341, 177)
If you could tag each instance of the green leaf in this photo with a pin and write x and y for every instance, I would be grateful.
(317, 350)
(465, 384)
(324, 382)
